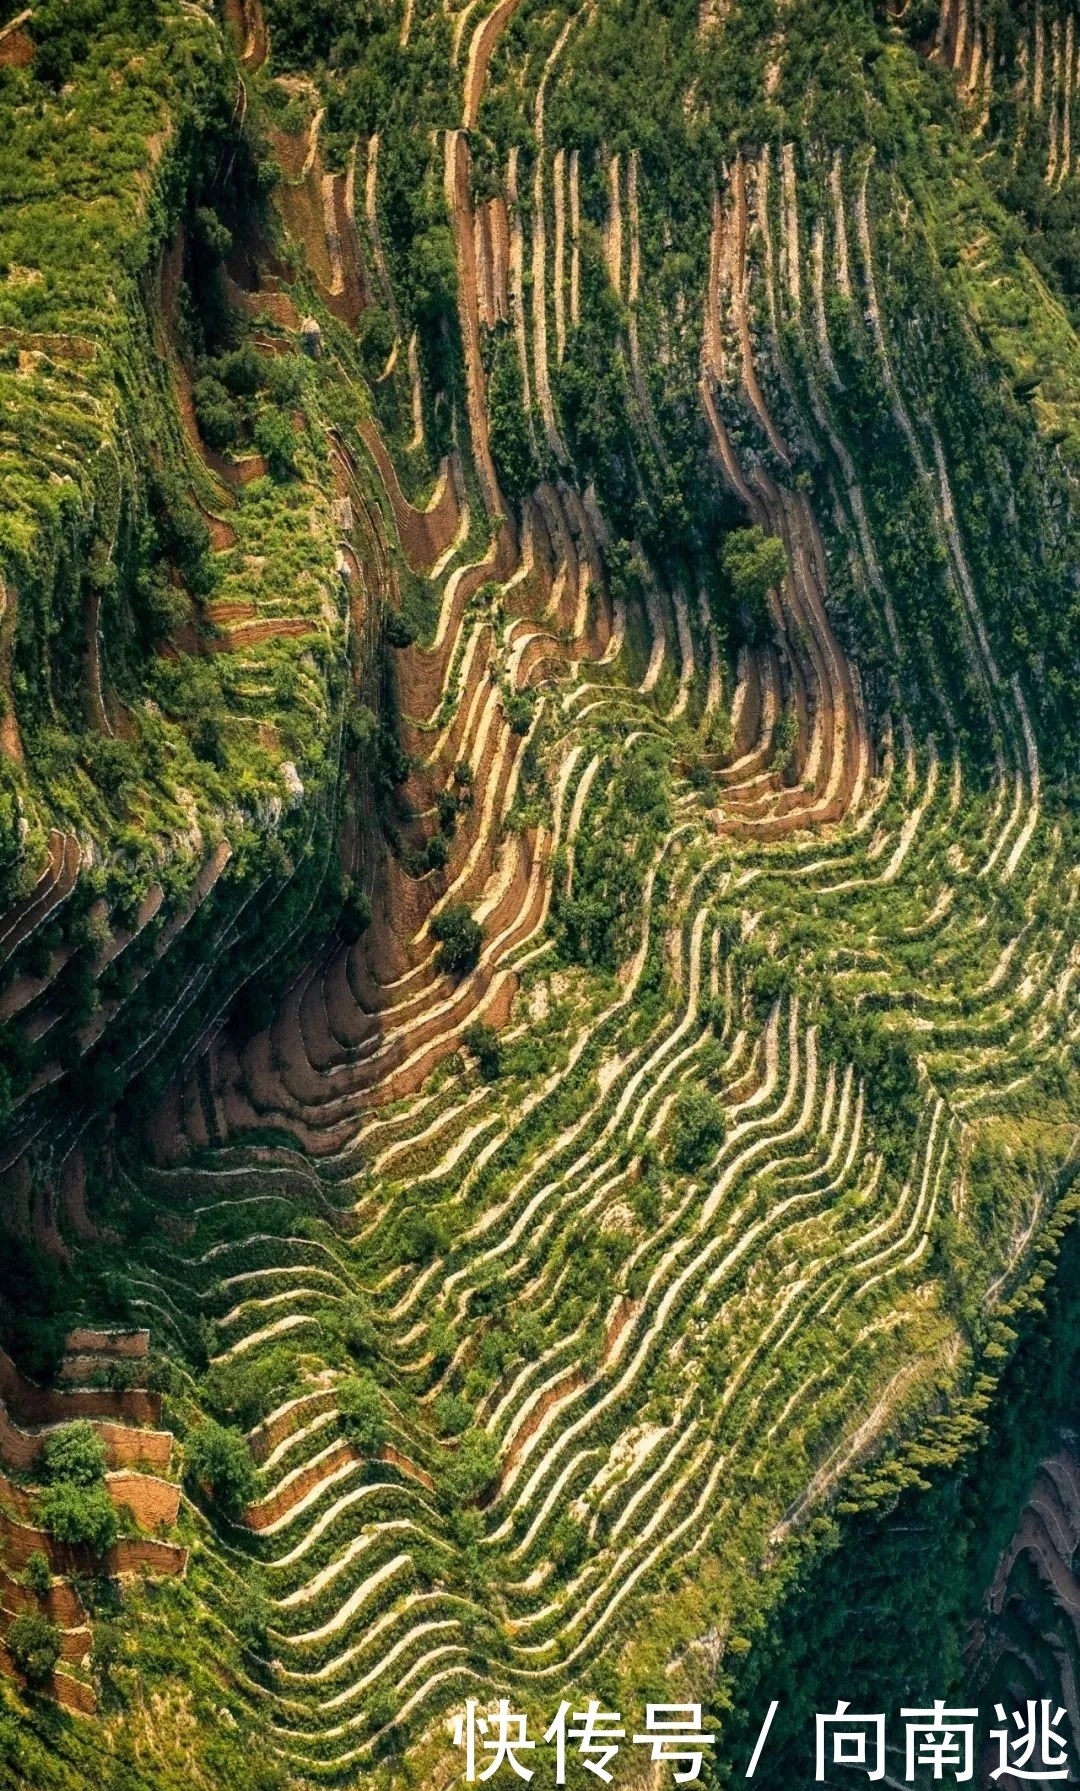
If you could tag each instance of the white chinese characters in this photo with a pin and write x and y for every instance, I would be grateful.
(852, 1737)
(1049, 1763)
(673, 1732)
(939, 1744)
(938, 1738)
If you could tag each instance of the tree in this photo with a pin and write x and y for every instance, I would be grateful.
(356, 913)
(698, 1129)
(459, 937)
(78, 1514)
(275, 438)
(434, 272)
(241, 1389)
(37, 1574)
(453, 1414)
(483, 1042)
(34, 1645)
(363, 1417)
(519, 711)
(471, 1467)
(215, 413)
(219, 1460)
(437, 852)
(511, 444)
(75, 1454)
(398, 630)
(754, 564)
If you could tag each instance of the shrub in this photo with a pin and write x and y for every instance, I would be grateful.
(242, 1389)
(356, 913)
(75, 1454)
(437, 852)
(37, 1574)
(755, 563)
(34, 1645)
(422, 1237)
(363, 1416)
(519, 712)
(471, 1467)
(483, 1042)
(242, 371)
(358, 1332)
(376, 331)
(78, 1514)
(215, 413)
(453, 1414)
(218, 1459)
(459, 937)
(361, 725)
(285, 378)
(275, 438)
(698, 1129)
(399, 631)
(569, 1541)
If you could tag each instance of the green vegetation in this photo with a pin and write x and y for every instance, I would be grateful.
(219, 1462)
(37, 1574)
(754, 564)
(363, 1416)
(78, 1514)
(697, 1129)
(723, 1266)
(599, 921)
(34, 1645)
(75, 1454)
(469, 1469)
(460, 937)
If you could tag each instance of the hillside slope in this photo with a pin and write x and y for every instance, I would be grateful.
(537, 763)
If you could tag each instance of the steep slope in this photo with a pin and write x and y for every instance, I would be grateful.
(561, 749)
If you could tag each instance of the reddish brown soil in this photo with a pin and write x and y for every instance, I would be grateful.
(425, 535)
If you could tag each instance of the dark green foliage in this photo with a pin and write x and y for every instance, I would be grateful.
(886, 1061)
(363, 1414)
(437, 852)
(601, 919)
(78, 1514)
(422, 1236)
(37, 1574)
(361, 726)
(376, 330)
(219, 1460)
(307, 31)
(398, 631)
(243, 1388)
(568, 1545)
(75, 1454)
(275, 437)
(359, 1334)
(215, 413)
(510, 438)
(754, 564)
(697, 1129)
(453, 1414)
(460, 938)
(519, 711)
(356, 913)
(34, 1645)
(470, 1468)
(37, 1304)
(483, 1042)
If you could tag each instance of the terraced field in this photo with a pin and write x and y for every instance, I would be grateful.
(648, 1162)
